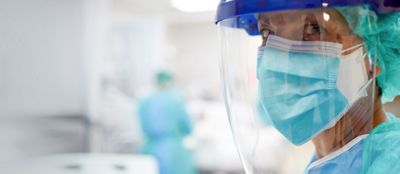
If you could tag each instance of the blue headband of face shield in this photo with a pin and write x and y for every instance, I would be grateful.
(240, 13)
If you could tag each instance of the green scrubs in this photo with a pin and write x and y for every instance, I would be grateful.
(165, 122)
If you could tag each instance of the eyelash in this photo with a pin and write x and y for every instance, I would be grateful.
(316, 29)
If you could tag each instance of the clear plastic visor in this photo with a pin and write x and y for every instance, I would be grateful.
(307, 76)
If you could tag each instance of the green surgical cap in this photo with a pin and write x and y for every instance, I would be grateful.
(381, 34)
(163, 77)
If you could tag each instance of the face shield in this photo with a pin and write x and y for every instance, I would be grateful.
(294, 75)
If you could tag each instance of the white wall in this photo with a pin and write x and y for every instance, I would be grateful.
(41, 57)
(136, 46)
(139, 44)
(51, 55)
(195, 56)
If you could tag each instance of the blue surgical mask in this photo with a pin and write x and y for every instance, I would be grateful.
(302, 85)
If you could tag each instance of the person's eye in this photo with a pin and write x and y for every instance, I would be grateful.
(313, 29)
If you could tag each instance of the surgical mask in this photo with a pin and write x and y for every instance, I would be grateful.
(305, 87)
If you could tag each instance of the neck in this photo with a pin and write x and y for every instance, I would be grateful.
(358, 121)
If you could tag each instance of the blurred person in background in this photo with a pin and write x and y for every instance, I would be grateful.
(165, 123)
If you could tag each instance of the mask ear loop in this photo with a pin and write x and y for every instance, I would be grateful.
(364, 87)
(363, 57)
(353, 47)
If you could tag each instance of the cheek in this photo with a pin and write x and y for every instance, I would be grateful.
(327, 37)
(349, 40)
(367, 65)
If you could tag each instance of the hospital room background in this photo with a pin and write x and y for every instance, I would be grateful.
(73, 72)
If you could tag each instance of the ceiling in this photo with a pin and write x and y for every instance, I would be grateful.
(163, 8)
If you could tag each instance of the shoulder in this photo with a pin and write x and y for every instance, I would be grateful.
(382, 149)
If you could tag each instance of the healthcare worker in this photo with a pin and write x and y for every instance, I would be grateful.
(165, 123)
(317, 71)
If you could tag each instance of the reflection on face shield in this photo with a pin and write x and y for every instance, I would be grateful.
(303, 85)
